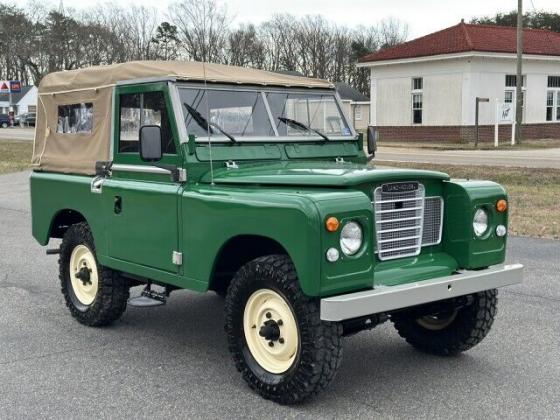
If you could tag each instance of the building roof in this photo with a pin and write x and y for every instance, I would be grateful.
(347, 92)
(469, 37)
(16, 97)
(106, 76)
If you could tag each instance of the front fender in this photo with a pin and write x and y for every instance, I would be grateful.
(212, 215)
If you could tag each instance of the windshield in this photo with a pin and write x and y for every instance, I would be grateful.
(253, 114)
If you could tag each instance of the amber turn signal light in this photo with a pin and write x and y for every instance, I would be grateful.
(332, 224)
(501, 205)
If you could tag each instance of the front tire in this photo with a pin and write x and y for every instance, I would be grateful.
(275, 335)
(95, 295)
(450, 331)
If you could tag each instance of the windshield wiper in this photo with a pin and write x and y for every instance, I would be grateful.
(302, 126)
(206, 125)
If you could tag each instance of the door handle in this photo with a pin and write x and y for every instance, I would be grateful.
(118, 204)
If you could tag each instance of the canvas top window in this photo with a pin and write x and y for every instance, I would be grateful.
(257, 114)
(75, 118)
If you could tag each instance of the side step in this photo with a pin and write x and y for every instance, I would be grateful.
(149, 298)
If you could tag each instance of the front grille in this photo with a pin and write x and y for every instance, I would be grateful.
(433, 214)
(406, 221)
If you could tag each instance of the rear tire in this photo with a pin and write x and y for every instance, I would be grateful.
(95, 295)
(449, 332)
(276, 337)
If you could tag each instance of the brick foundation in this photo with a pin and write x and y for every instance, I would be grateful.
(465, 134)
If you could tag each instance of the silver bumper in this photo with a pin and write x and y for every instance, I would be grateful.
(388, 298)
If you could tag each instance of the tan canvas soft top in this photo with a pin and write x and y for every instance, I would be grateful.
(78, 152)
(102, 76)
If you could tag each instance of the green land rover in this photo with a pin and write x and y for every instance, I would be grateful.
(254, 185)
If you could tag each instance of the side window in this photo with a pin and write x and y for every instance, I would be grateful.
(75, 118)
(138, 109)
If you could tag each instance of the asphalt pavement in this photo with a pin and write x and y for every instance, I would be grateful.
(172, 361)
(534, 158)
(17, 133)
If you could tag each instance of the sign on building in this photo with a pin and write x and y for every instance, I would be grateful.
(7, 86)
(506, 112)
(15, 86)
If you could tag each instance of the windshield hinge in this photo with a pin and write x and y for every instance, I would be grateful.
(339, 160)
(230, 164)
(177, 258)
(182, 175)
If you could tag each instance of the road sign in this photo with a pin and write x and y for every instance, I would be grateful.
(15, 86)
(506, 112)
(4, 86)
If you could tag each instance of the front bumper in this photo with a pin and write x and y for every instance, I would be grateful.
(390, 298)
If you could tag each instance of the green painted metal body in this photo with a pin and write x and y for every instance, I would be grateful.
(283, 192)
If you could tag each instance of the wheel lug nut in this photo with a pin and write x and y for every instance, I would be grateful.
(270, 344)
(280, 322)
(281, 340)
(268, 315)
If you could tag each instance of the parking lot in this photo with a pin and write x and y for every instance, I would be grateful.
(172, 361)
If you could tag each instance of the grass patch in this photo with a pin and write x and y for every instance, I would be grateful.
(534, 194)
(527, 144)
(15, 155)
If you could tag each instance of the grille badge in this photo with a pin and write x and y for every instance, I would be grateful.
(399, 187)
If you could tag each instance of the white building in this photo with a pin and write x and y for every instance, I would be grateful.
(24, 101)
(356, 105)
(426, 89)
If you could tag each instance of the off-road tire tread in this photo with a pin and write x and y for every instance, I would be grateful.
(320, 341)
(470, 327)
(110, 302)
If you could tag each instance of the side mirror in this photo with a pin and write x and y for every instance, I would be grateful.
(150, 143)
(371, 140)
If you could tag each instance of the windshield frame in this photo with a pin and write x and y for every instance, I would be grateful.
(262, 90)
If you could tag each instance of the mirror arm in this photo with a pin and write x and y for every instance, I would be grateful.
(177, 174)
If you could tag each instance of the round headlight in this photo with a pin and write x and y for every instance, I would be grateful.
(480, 222)
(351, 238)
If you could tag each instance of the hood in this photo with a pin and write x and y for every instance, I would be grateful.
(315, 173)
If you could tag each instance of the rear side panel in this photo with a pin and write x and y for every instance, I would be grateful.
(52, 193)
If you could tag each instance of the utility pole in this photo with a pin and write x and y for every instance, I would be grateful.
(519, 78)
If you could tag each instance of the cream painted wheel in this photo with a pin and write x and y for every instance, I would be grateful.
(83, 274)
(271, 331)
(435, 322)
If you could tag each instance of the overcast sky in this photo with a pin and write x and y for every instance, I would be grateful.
(422, 16)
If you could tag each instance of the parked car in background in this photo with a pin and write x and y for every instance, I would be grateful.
(25, 120)
(4, 120)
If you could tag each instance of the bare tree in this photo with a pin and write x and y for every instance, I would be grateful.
(202, 27)
(40, 39)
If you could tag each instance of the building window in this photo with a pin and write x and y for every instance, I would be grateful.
(511, 80)
(553, 105)
(554, 81)
(417, 108)
(358, 112)
(417, 99)
(417, 83)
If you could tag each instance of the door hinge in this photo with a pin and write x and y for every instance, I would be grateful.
(231, 164)
(177, 258)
